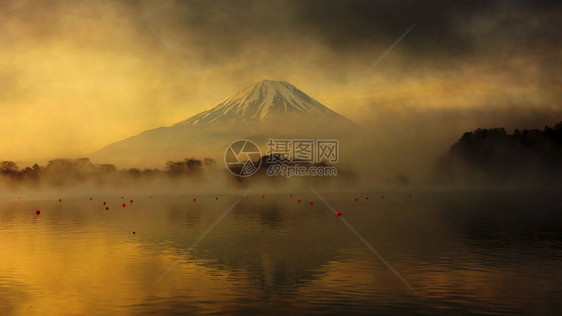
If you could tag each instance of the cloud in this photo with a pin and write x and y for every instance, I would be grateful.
(79, 75)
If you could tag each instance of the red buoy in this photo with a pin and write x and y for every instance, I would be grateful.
(194, 199)
(291, 195)
(356, 199)
(299, 201)
(38, 212)
(409, 195)
(90, 199)
(310, 202)
(124, 204)
(107, 208)
(104, 202)
(60, 200)
(216, 198)
(382, 196)
(131, 201)
(338, 213)
(241, 197)
(366, 198)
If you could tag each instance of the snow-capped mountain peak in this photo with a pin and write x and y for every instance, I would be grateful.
(264, 101)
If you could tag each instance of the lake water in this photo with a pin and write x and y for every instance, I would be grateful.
(492, 253)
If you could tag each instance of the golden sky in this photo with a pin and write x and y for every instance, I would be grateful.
(76, 76)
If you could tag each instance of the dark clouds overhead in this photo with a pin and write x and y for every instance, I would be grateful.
(443, 28)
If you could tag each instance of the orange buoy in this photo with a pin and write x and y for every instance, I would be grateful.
(38, 212)
(121, 198)
(338, 213)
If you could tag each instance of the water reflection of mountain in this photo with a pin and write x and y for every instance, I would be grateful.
(279, 245)
(274, 245)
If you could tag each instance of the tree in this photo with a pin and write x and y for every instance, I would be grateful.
(175, 168)
(107, 168)
(193, 164)
(208, 162)
(134, 172)
(8, 167)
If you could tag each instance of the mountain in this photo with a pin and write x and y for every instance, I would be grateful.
(493, 157)
(267, 109)
(264, 102)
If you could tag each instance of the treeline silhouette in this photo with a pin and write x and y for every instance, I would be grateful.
(63, 172)
(526, 157)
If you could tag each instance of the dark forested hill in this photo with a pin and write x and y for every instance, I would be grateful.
(491, 156)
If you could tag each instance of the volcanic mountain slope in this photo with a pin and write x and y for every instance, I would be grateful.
(264, 102)
(267, 109)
